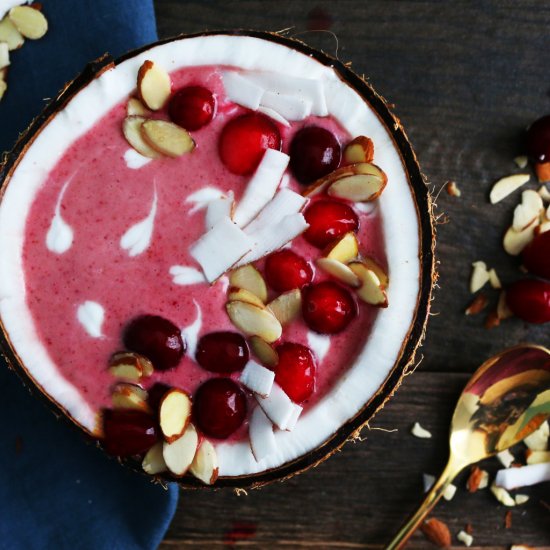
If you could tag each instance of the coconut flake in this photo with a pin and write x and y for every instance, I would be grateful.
(271, 113)
(538, 440)
(528, 210)
(278, 406)
(521, 499)
(507, 185)
(288, 106)
(293, 419)
(241, 90)
(319, 344)
(202, 197)
(220, 249)
(182, 275)
(135, 160)
(257, 378)
(465, 538)
(218, 209)
(91, 315)
(428, 481)
(60, 235)
(262, 186)
(190, 334)
(262, 438)
(506, 458)
(418, 431)
(138, 238)
(480, 276)
(502, 495)
(521, 161)
(511, 478)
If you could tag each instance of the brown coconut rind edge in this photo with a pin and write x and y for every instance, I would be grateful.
(424, 206)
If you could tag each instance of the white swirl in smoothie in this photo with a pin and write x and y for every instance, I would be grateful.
(134, 160)
(202, 197)
(138, 238)
(319, 343)
(182, 275)
(60, 234)
(91, 315)
(190, 334)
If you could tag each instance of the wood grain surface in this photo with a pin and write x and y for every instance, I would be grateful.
(466, 78)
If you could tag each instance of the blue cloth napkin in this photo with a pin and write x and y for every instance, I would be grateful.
(56, 491)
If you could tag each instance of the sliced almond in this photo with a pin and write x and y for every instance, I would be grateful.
(4, 55)
(360, 149)
(528, 210)
(479, 277)
(179, 454)
(29, 22)
(418, 431)
(174, 413)
(478, 479)
(242, 295)
(371, 290)
(544, 193)
(452, 189)
(131, 128)
(502, 495)
(339, 271)
(361, 187)
(130, 366)
(543, 227)
(521, 161)
(492, 320)
(263, 351)
(249, 278)
(515, 241)
(538, 457)
(129, 396)
(153, 461)
(344, 250)
(494, 279)
(375, 267)
(254, 321)
(542, 169)
(287, 306)
(478, 304)
(167, 138)
(205, 464)
(154, 85)
(539, 439)
(10, 35)
(507, 185)
(135, 107)
(503, 311)
(3, 88)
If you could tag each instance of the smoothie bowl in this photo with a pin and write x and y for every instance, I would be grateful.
(216, 257)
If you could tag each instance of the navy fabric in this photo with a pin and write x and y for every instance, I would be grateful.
(57, 491)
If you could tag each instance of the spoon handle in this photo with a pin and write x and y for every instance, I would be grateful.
(435, 493)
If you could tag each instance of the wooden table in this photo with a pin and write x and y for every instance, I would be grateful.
(465, 78)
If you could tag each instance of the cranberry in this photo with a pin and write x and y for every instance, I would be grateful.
(128, 432)
(327, 307)
(529, 299)
(538, 140)
(295, 371)
(222, 352)
(219, 407)
(536, 255)
(328, 220)
(285, 270)
(192, 107)
(244, 140)
(156, 338)
(314, 153)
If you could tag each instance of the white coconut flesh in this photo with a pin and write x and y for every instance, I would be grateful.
(399, 218)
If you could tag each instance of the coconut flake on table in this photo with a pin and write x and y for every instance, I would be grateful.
(257, 378)
(262, 438)
(218, 209)
(221, 248)
(90, 315)
(523, 476)
(262, 186)
(418, 431)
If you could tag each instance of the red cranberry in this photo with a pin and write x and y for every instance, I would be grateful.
(327, 307)
(295, 371)
(529, 299)
(285, 270)
(314, 153)
(538, 140)
(536, 255)
(156, 338)
(222, 352)
(192, 107)
(328, 220)
(128, 432)
(219, 407)
(244, 140)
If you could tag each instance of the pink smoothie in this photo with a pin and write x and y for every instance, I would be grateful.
(102, 201)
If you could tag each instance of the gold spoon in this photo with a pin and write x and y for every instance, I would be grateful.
(506, 400)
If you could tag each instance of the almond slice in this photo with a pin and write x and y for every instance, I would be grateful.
(477, 305)
(4, 55)
(30, 22)
(377, 269)
(538, 457)
(130, 366)
(249, 278)
(528, 211)
(371, 290)
(479, 277)
(242, 295)
(10, 35)
(257, 379)
(174, 414)
(154, 85)
(507, 185)
(263, 351)
(544, 193)
(131, 128)
(179, 454)
(3, 88)
(129, 396)
(359, 188)
(167, 138)
(418, 431)
(205, 464)
(339, 271)
(254, 321)
(503, 311)
(515, 241)
(360, 149)
(452, 189)
(521, 161)
(344, 250)
(542, 169)
(153, 461)
(539, 439)
(287, 306)
(502, 495)
(135, 107)
(494, 279)
(262, 438)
